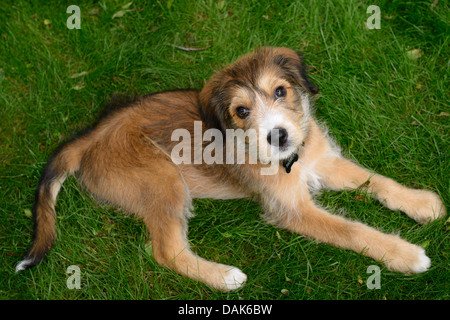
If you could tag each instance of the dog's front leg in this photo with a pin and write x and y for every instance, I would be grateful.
(311, 221)
(421, 205)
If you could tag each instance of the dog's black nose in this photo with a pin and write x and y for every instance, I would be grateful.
(277, 136)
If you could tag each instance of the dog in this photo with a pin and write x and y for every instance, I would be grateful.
(126, 160)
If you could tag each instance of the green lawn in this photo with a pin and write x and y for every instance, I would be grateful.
(386, 103)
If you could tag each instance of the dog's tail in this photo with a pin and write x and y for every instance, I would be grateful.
(65, 161)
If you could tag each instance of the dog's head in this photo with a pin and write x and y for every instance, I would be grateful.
(265, 91)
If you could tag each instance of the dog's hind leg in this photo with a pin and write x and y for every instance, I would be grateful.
(421, 205)
(165, 214)
(166, 219)
(171, 249)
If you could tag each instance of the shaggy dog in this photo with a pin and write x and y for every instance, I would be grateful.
(134, 160)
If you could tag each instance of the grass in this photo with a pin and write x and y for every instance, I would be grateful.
(387, 110)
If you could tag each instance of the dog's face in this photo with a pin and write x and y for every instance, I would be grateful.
(267, 92)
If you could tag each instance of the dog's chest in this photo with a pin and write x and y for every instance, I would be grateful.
(309, 176)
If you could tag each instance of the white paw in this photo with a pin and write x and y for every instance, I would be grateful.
(234, 279)
(407, 258)
(423, 263)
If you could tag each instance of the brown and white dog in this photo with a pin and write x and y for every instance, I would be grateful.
(126, 160)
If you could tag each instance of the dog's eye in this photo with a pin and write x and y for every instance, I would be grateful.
(280, 92)
(242, 112)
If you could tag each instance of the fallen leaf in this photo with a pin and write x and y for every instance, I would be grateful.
(414, 54)
(119, 14)
(444, 114)
(285, 292)
(126, 6)
(47, 22)
(27, 213)
(77, 75)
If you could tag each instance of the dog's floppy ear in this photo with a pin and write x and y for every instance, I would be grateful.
(291, 63)
(213, 101)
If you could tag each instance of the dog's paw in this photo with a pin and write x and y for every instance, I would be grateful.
(409, 259)
(425, 206)
(422, 263)
(234, 279)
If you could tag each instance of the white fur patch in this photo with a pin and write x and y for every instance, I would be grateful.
(22, 265)
(234, 279)
(309, 176)
(272, 120)
(423, 263)
(306, 106)
(56, 186)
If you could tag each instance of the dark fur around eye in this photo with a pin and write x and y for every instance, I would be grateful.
(279, 92)
(242, 112)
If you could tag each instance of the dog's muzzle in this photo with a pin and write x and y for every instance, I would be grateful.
(278, 137)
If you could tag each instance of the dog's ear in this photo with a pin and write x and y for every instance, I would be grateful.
(213, 102)
(291, 63)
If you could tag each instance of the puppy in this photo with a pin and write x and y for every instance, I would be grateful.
(128, 160)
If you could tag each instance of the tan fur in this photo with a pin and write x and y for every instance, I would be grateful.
(126, 161)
